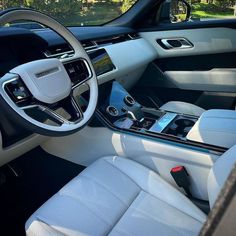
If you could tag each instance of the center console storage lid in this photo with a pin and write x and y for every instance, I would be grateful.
(216, 127)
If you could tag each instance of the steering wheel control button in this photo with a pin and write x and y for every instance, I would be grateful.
(78, 71)
(17, 91)
(129, 101)
(112, 111)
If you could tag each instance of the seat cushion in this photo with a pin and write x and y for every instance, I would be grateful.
(117, 196)
(183, 107)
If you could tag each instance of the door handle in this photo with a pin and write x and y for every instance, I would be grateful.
(175, 43)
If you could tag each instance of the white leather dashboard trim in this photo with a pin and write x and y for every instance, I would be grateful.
(128, 57)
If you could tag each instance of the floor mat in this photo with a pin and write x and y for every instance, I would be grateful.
(41, 175)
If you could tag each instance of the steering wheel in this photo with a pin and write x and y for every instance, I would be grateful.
(33, 93)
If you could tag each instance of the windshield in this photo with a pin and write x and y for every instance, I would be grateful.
(76, 12)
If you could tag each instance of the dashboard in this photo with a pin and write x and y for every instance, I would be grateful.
(19, 46)
(116, 53)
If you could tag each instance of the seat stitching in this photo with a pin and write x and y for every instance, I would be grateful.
(78, 200)
(115, 223)
(122, 173)
(118, 220)
(169, 204)
(103, 186)
(143, 212)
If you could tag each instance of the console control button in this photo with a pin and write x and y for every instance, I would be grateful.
(112, 111)
(129, 101)
(123, 109)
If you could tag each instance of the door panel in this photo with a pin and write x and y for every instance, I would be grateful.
(205, 41)
(216, 80)
(203, 73)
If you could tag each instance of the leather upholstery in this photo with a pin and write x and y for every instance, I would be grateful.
(216, 127)
(219, 174)
(183, 107)
(117, 196)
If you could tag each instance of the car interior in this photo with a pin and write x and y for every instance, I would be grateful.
(127, 128)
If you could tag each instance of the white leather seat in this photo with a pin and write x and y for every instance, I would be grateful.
(117, 196)
(183, 107)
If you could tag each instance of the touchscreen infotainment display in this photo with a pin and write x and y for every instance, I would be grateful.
(101, 61)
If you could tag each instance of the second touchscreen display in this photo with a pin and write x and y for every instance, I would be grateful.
(101, 61)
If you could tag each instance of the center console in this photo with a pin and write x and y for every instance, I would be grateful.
(125, 113)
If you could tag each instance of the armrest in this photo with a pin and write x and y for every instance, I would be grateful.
(216, 127)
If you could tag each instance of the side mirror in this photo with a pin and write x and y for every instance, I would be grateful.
(175, 11)
(179, 11)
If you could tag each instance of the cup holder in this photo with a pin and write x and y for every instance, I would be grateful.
(183, 123)
(181, 127)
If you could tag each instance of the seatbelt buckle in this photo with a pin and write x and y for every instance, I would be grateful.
(181, 177)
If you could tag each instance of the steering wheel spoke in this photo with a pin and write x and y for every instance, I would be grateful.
(67, 111)
(77, 108)
(49, 113)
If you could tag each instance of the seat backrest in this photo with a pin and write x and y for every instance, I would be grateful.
(219, 174)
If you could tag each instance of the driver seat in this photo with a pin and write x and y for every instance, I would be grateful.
(117, 196)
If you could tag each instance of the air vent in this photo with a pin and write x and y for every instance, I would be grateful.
(113, 40)
(88, 44)
(59, 51)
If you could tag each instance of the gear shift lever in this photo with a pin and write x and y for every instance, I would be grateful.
(132, 116)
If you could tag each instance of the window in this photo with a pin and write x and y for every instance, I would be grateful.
(202, 10)
(213, 9)
(76, 12)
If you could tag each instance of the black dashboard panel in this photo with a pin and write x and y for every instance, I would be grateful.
(18, 46)
(83, 33)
